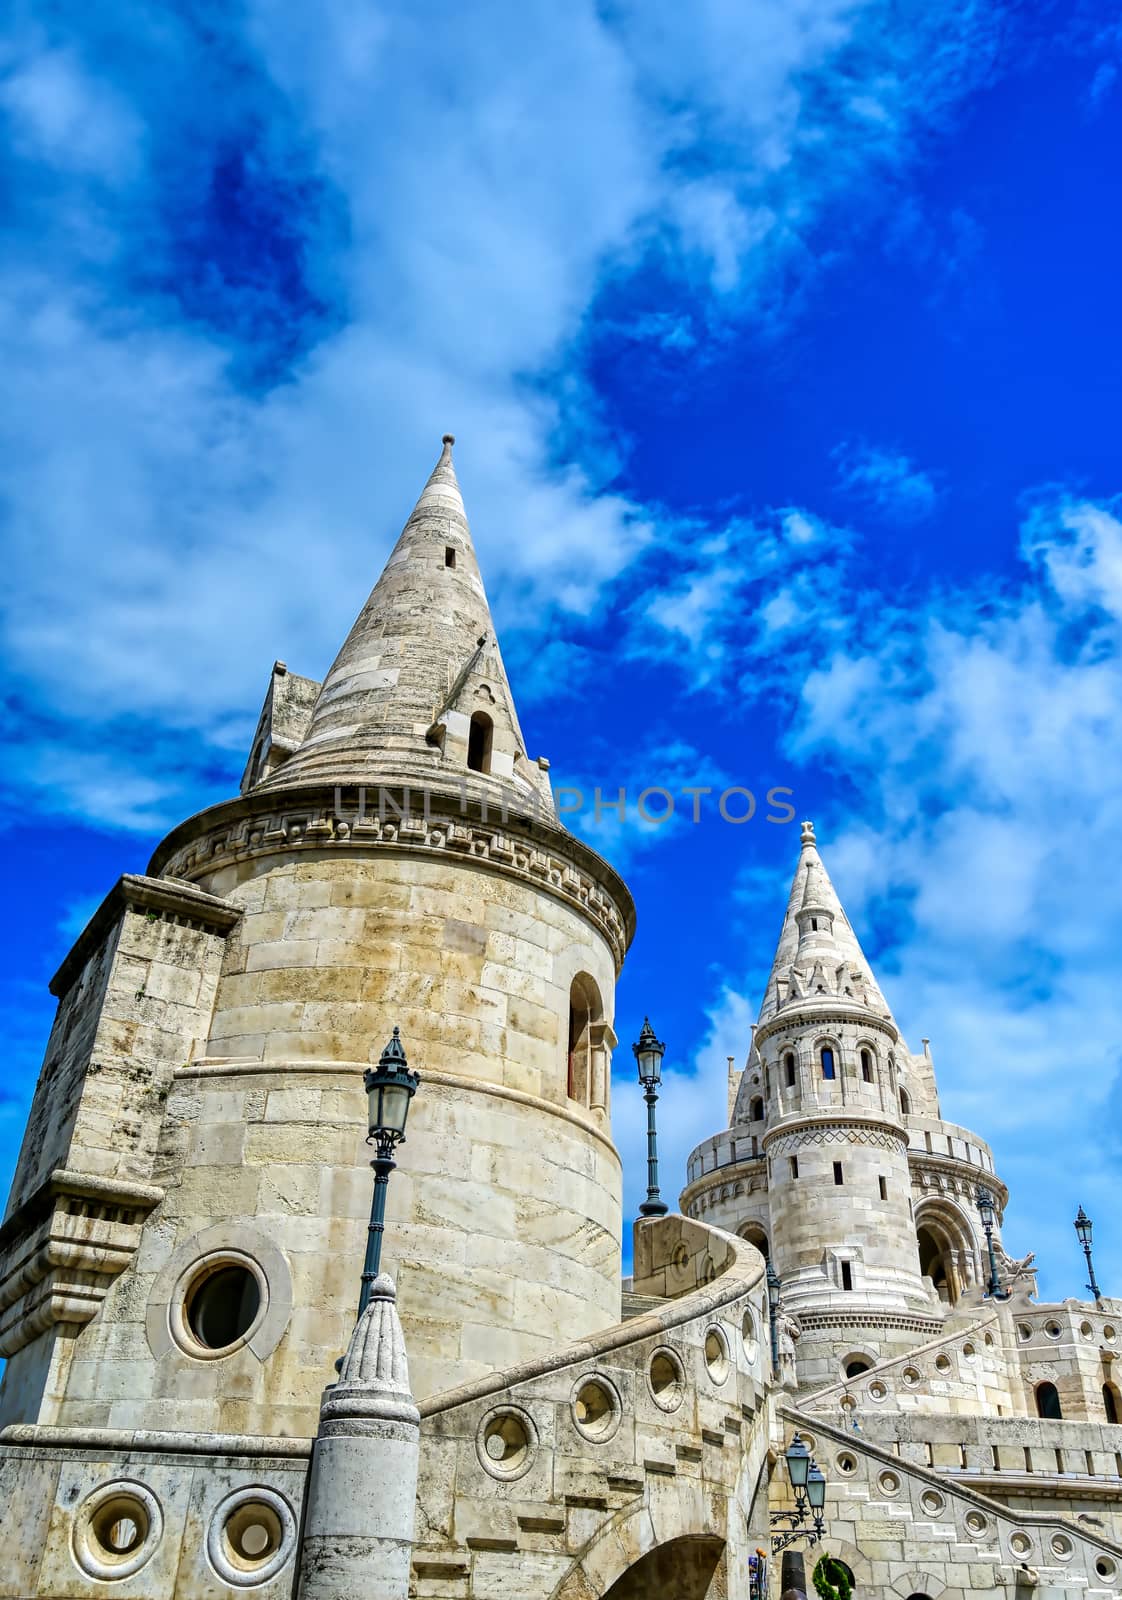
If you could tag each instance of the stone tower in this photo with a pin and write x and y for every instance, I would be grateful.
(836, 1161)
(393, 858)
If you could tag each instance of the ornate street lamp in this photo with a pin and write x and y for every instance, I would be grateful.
(648, 1054)
(774, 1290)
(389, 1089)
(809, 1483)
(987, 1210)
(1083, 1227)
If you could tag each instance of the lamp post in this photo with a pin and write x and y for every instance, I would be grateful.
(1083, 1227)
(648, 1054)
(774, 1290)
(987, 1210)
(389, 1089)
(809, 1483)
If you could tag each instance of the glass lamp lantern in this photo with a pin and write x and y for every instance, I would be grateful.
(389, 1089)
(1083, 1227)
(815, 1487)
(798, 1462)
(648, 1054)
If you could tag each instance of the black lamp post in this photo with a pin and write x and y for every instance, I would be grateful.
(987, 1210)
(809, 1483)
(1083, 1227)
(648, 1054)
(389, 1089)
(774, 1290)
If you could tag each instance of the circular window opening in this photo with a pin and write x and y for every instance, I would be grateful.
(116, 1531)
(1108, 1334)
(932, 1502)
(1020, 1544)
(976, 1522)
(847, 1464)
(888, 1483)
(221, 1305)
(667, 1380)
(878, 1390)
(716, 1355)
(1024, 1332)
(118, 1527)
(1053, 1330)
(253, 1534)
(989, 1341)
(596, 1410)
(912, 1376)
(506, 1441)
(1104, 1566)
(748, 1335)
(969, 1351)
(1061, 1546)
(1086, 1330)
(942, 1363)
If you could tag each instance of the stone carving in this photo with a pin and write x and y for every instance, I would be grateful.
(787, 1331)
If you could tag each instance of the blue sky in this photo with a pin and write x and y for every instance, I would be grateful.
(783, 346)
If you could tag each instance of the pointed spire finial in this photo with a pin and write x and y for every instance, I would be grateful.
(807, 835)
(449, 439)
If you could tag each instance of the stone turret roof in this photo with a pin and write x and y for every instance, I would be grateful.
(420, 658)
(826, 962)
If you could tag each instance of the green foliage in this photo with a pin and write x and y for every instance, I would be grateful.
(831, 1580)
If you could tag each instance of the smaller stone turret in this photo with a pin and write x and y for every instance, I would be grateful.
(358, 1535)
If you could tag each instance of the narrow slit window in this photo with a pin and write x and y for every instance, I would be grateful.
(828, 1069)
(449, 556)
(838, 1173)
(906, 1105)
(847, 1275)
(789, 1070)
(867, 1065)
(480, 730)
(794, 1166)
(883, 1182)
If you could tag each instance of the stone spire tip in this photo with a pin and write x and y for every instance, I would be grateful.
(807, 835)
(449, 439)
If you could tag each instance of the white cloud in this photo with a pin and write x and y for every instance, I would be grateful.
(981, 740)
(173, 529)
(887, 480)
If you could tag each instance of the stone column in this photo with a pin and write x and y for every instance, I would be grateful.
(358, 1532)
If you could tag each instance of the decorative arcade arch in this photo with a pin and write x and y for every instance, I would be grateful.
(948, 1253)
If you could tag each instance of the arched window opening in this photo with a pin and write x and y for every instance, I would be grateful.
(919, 1597)
(480, 732)
(867, 1065)
(814, 924)
(752, 1233)
(905, 1104)
(756, 1110)
(789, 1069)
(1048, 1401)
(854, 1369)
(585, 1012)
(1110, 1402)
(828, 1069)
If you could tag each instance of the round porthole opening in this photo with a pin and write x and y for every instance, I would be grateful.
(221, 1305)
(118, 1527)
(1104, 1566)
(716, 1355)
(253, 1534)
(506, 1443)
(596, 1410)
(667, 1380)
(116, 1531)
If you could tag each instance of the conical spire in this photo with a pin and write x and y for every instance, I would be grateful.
(818, 951)
(421, 659)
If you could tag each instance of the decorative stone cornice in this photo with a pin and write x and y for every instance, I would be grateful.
(825, 1012)
(158, 897)
(442, 825)
(61, 1250)
(932, 1174)
(834, 1128)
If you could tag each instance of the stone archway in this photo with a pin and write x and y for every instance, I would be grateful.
(947, 1251)
(691, 1568)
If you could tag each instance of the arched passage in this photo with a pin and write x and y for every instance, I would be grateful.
(947, 1253)
(687, 1569)
(753, 1233)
